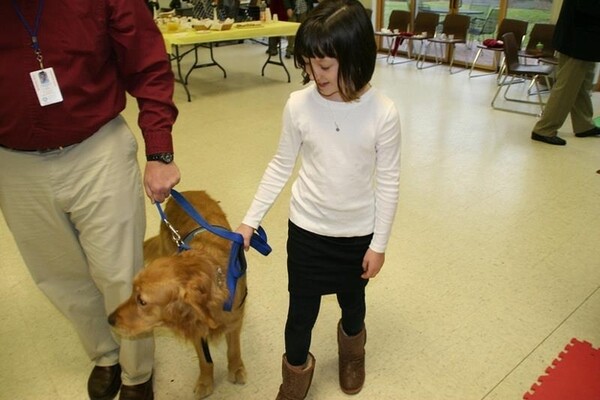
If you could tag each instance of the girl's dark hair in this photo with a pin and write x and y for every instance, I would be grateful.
(339, 29)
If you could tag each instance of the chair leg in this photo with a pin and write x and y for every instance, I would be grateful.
(436, 58)
(475, 62)
(506, 86)
(501, 70)
(498, 91)
(453, 52)
(539, 95)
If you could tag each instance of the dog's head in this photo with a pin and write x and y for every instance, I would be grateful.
(182, 292)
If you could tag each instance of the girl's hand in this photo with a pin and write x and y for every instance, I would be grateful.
(246, 231)
(372, 263)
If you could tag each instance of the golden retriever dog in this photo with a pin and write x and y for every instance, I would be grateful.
(185, 291)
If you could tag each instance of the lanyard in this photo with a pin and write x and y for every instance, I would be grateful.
(33, 32)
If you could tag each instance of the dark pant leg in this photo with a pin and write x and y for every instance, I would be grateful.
(302, 315)
(273, 45)
(354, 311)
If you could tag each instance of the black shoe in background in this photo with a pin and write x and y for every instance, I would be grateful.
(555, 140)
(595, 131)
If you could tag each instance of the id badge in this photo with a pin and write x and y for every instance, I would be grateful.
(46, 87)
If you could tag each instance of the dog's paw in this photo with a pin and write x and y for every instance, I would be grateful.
(203, 389)
(237, 375)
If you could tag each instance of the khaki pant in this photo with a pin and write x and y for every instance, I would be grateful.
(570, 94)
(78, 219)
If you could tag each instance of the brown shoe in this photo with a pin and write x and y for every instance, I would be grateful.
(351, 350)
(296, 380)
(104, 382)
(143, 391)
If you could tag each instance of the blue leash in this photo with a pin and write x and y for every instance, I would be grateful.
(237, 260)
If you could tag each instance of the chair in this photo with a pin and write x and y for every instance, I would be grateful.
(398, 23)
(484, 26)
(424, 28)
(541, 34)
(228, 9)
(202, 9)
(454, 31)
(518, 73)
(400, 20)
(518, 27)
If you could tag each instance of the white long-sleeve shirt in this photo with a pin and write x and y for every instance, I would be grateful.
(348, 181)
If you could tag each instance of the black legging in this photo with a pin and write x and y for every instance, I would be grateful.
(302, 315)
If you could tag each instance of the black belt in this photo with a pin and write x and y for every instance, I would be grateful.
(40, 151)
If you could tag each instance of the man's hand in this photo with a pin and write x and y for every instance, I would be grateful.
(159, 179)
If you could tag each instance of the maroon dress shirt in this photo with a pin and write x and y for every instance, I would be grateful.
(99, 50)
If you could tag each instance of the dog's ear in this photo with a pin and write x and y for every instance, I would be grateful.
(198, 294)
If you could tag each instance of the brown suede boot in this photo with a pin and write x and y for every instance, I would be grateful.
(351, 350)
(296, 380)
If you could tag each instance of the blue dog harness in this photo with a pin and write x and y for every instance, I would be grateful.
(237, 260)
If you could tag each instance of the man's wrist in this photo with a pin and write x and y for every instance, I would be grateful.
(165, 158)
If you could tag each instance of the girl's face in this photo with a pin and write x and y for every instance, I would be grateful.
(324, 71)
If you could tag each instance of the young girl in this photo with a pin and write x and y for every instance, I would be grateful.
(344, 198)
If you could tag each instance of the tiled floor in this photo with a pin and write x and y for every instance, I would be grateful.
(494, 263)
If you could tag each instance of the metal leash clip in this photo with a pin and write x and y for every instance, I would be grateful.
(174, 234)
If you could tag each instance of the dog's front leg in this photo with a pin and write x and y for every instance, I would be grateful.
(237, 371)
(205, 383)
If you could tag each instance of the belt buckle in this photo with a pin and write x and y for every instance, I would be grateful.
(44, 151)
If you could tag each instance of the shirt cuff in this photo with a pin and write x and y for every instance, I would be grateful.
(158, 142)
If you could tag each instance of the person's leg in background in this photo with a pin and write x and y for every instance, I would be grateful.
(582, 113)
(289, 51)
(273, 45)
(570, 76)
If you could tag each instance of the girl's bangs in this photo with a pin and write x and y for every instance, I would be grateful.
(316, 43)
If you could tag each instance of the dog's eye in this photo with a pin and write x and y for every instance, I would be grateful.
(141, 301)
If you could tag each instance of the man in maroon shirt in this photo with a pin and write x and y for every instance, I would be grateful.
(71, 190)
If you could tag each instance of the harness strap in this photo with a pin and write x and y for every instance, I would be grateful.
(190, 236)
(206, 350)
(237, 260)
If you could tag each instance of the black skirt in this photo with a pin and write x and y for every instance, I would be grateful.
(320, 265)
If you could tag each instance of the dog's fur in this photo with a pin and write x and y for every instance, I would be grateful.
(186, 291)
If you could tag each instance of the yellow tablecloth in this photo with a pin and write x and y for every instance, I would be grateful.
(238, 31)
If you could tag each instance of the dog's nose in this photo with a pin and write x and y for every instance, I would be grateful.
(112, 319)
